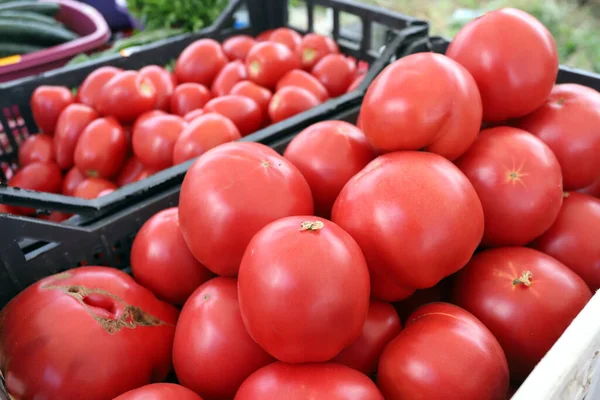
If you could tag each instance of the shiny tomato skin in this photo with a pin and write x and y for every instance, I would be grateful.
(441, 107)
(200, 62)
(101, 148)
(38, 176)
(262, 96)
(47, 102)
(36, 148)
(189, 97)
(163, 83)
(514, 71)
(238, 46)
(192, 115)
(153, 140)
(92, 188)
(159, 391)
(104, 316)
(437, 293)
(71, 123)
(382, 325)
(232, 73)
(443, 352)
(314, 47)
(90, 89)
(416, 217)
(519, 183)
(286, 36)
(328, 154)
(289, 101)
(303, 79)
(210, 332)
(204, 133)
(492, 287)
(569, 239)
(385, 289)
(568, 123)
(308, 381)
(267, 62)
(71, 180)
(264, 36)
(355, 83)
(132, 168)
(261, 187)
(593, 189)
(161, 261)
(336, 73)
(126, 96)
(241, 110)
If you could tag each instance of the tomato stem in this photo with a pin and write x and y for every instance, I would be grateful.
(524, 279)
(311, 226)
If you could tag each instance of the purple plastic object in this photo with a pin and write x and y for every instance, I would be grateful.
(82, 19)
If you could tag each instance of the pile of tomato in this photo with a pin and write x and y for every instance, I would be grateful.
(435, 250)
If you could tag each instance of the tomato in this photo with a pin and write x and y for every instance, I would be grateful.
(231, 74)
(437, 293)
(189, 97)
(192, 115)
(286, 36)
(520, 294)
(303, 79)
(518, 181)
(127, 96)
(38, 176)
(47, 102)
(56, 216)
(290, 101)
(416, 217)
(568, 123)
(153, 140)
(89, 91)
(308, 381)
(145, 116)
(314, 47)
(423, 101)
(200, 62)
(105, 192)
(92, 188)
(159, 391)
(267, 62)
(205, 132)
(238, 46)
(443, 353)
(36, 148)
(593, 189)
(264, 36)
(163, 83)
(382, 325)
(355, 83)
(514, 71)
(130, 172)
(88, 317)
(386, 289)
(71, 180)
(244, 187)
(328, 154)
(241, 110)
(262, 96)
(336, 73)
(101, 148)
(71, 123)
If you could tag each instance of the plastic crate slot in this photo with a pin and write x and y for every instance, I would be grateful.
(351, 28)
(298, 15)
(322, 20)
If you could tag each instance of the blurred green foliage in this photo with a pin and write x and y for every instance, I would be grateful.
(189, 15)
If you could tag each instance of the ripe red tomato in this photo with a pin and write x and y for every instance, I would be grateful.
(163, 83)
(303, 79)
(593, 189)
(336, 73)
(382, 325)
(200, 62)
(443, 353)
(92, 188)
(127, 96)
(520, 294)
(205, 132)
(238, 46)
(440, 107)
(355, 83)
(328, 154)
(285, 308)
(567, 122)
(36, 148)
(192, 115)
(262, 96)
(437, 293)
(71, 123)
(104, 316)
(101, 148)
(154, 139)
(241, 110)
(71, 180)
(55, 216)
(264, 36)
(38, 176)
(386, 289)
(267, 62)
(518, 181)
(210, 332)
(189, 97)
(416, 217)
(314, 47)
(47, 102)
(290, 101)
(90, 89)
(245, 186)
(514, 71)
(133, 170)
(286, 36)
(159, 391)
(231, 74)
(306, 381)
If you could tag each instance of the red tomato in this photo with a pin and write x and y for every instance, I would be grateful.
(568, 123)
(231, 74)
(303, 79)
(205, 132)
(71, 123)
(189, 97)
(101, 148)
(210, 332)
(131, 172)
(105, 192)
(92, 188)
(127, 96)
(241, 110)
(159, 391)
(286, 36)
(200, 62)
(4, 209)
(192, 115)
(526, 298)
(154, 139)
(267, 62)
(290, 101)
(328, 154)
(314, 47)
(307, 381)
(38, 176)
(245, 186)
(437, 293)
(381, 327)
(514, 71)
(163, 83)
(264, 36)
(262, 96)
(147, 115)
(90, 89)
(385, 289)
(47, 102)
(593, 189)
(423, 101)
(104, 316)
(56, 216)
(355, 83)
(518, 181)
(237, 47)
(72, 179)
(443, 353)
(36, 148)
(336, 73)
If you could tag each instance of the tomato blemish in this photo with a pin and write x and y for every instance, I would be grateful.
(147, 89)
(524, 279)
(311, 225)
(308, 55)
(254, 68)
